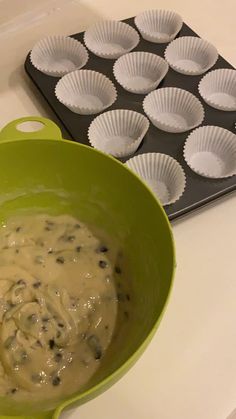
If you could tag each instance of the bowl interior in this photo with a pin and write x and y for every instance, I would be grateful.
(63, 177)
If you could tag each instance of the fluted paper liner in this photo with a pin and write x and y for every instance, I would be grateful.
(191, 55)
(218, 89)
(173, 110)
(86, 92)
(110, 39)
(118, 132)
(162, 173)
(58, 55)
(140, 72)
(158, 26)
(210, 151)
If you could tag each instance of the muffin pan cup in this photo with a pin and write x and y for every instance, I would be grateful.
(190, 55)
(210, 151)
(58, 55)
(110, 39)
(118, 132)
(140, 72)
(158, 26)
(163, 174)
(85, 92)
(173, 110)
(218, 89)
(199, 190)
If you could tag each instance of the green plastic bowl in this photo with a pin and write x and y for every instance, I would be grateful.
(41, 171)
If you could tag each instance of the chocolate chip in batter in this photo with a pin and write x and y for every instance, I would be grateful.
(37, 284)
(117, 270)
(21, 282)
(13, 390)
(70, 238)
(58, 357)
(60, 259)
(78, 248)
(95, 346)
(103, 249)
(51, 343)
(77, 225)
(56, 381)
(18, 229)
(32, 318)
(102, 264)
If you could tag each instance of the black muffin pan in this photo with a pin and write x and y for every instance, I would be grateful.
(199, 190)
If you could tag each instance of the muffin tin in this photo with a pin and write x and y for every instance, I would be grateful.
(199, 190)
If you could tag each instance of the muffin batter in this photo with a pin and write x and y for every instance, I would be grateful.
(58, 305)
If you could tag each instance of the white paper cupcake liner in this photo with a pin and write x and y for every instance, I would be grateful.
(218, 89)
(173, 110)
(163, 174)
(58, 55)
(191, 55)
(210, 151)
(110, 39)
(86, 92)
(140, 72)
(158, 26)
(118, 132)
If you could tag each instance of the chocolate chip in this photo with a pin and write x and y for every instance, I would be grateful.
(120, 296)
(21, 282)
(18, 229)
(50, 251)
(58, 357)
(32, 318)
(56, 381)
(70, 238)
(51, 343)
(17, 251)
(60, 259)
(44, 328)
(127, 297)
(37, 284)
(103, 249)
(60, 325)
(45, 319)
(95, 346)
(117, 270)
(102, 264)
(13, 390)
(78, 248)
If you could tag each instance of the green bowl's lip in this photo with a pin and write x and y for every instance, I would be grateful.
(131, 360)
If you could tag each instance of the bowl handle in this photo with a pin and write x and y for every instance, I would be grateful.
(49, 130)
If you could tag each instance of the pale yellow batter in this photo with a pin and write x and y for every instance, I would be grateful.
(58, 305)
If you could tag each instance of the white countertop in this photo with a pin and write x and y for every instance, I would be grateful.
(189, 369)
